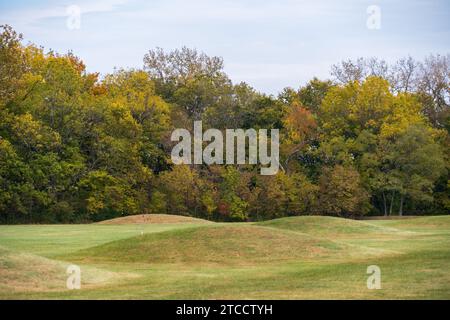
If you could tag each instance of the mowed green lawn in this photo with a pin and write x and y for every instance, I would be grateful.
(290, 258)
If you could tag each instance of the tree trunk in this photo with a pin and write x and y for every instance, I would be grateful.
(385, 205)
(392, 203)
(400, 211)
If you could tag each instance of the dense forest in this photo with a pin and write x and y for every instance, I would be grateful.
(77, 147)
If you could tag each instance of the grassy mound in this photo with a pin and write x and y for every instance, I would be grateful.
(221, 244)
(24, 272)
(290, 258)
(54, 240)
(153, 219)
(328, 226)
(419, 223)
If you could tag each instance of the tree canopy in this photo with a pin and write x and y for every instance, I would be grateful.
(74, 146)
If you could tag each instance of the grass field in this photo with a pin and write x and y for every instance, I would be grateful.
(289, 258)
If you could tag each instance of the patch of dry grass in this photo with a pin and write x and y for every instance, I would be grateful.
(24, 272)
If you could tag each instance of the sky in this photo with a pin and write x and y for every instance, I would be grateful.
(268, 44)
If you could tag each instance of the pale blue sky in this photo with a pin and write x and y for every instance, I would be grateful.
(269, 44)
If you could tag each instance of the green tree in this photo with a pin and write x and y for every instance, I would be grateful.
(342, 192)
(232, 203)
(416, 162)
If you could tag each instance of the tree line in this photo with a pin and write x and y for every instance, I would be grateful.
(76, 147)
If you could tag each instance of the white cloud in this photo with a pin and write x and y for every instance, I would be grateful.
(33, 15)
